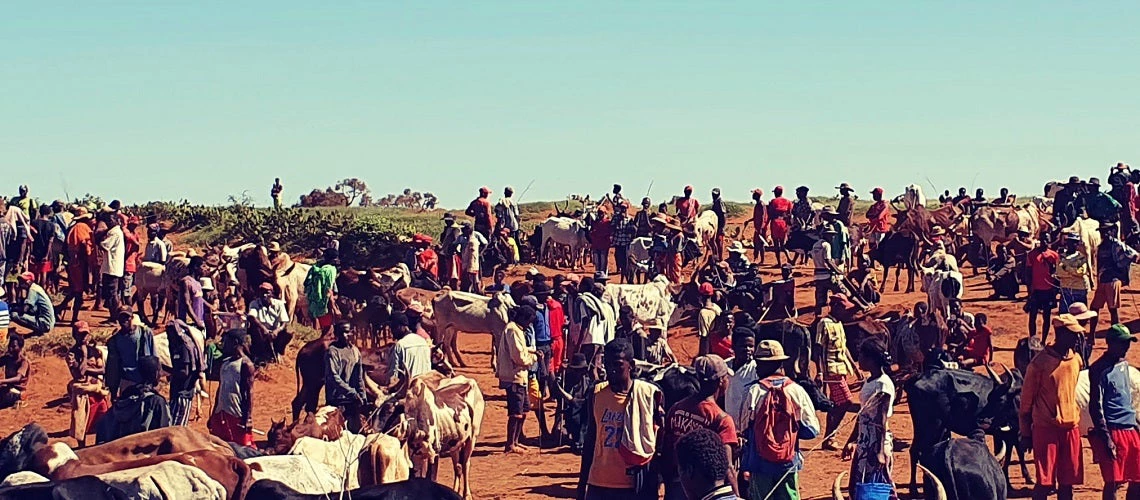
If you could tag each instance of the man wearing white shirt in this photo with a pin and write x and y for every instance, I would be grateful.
(743, 374)
(114, 258)
(269, 315)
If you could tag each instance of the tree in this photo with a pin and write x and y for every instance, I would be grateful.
(326, 198)
(352, 189)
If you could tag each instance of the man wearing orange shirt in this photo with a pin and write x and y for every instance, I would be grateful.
(1049, 413)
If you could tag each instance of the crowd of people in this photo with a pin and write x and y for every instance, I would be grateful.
(738, 436)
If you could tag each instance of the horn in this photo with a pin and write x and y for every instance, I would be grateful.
(994, 376)
(938, 488)
(1005, 369)
(560, 392)
(836, 490)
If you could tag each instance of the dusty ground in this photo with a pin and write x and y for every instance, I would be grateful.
(554, 473)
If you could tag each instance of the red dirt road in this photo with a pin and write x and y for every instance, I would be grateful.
(554, 473)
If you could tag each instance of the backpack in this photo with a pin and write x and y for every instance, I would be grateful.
(775, 429)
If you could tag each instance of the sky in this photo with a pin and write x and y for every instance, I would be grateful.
(202, 100)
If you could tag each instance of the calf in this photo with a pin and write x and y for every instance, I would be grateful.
(898, 250)
(326, 424)
(420, 489)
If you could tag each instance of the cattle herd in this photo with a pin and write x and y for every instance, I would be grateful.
(440, 414)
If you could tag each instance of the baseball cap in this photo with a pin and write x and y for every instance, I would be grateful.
(710, 367)
(1119, 333)
(27, 276)
(706, 289)
(82, 326)
(769, 350)
(266, 287)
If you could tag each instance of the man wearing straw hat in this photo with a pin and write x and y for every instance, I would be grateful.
(1049, 413)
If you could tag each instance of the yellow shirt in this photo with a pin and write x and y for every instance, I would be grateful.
(608, 468)
(1049, 396)
(1073, 272)
(833, 339)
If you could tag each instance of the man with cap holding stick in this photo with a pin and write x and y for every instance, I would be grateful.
(699, 411)
(773, 479)
(1049, 414)
(718, 209)
(480, 210)
(878, 217)
(623, 230)
(507, 212)
(846, 204)
(1114, 438)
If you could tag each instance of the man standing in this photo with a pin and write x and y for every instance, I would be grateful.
(1067, 204)
(80, 252)
(759, 223)
(601, 238)
(37, 313)
(879, 216)
(156, 250)
(191, 301)
(514, 362)
(507, 213)
(641, 224)
(113, 261)
(773, 457)
(719, 209)
(1115, 438)
(825, 268)
(623, 234)
(25, 202)
(187, 364)
(275, 193)
(43, 245)
(130, 343)
(344, 376)
(1041, 264)
(743, 374)
(131, 250)
(1114, 260)
(833, 364)
(320, 290)
(846, 204)
(687, 207)
(699, 411)
(779, 211)
(480, 210)
(707, 317)
(411, 356)
(802, 214)
(611, 447)
(1073, 273)
(471, 244)
(1049, 413)
(233, 405)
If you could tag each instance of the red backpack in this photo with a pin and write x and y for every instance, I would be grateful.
(775, 428)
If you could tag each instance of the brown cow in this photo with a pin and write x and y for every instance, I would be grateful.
(326, 424)
(59, 462)
(164, 441)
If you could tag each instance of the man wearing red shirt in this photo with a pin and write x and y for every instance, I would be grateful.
(601, 236)
(779, 209)
(426, 259)
(480, 210)
(131, 262)
(1041, 265)
(979, 344)
(699, 411)
(879, 216)
(687, 207)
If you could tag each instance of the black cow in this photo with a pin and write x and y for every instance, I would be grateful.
(954, 401)
(412, 489)
(796, 341)
(80, 488)
(966, 469)
(17, 450)
(897, 250)
(1005, 427)
(800, 244)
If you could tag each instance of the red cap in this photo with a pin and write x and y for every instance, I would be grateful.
(758, 192)
(27, 276)
(877, 190)
(81, 326)
(689, 187)
(485, 190)
(778, 188)
(706, 289)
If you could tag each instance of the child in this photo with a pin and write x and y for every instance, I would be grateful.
(979, 346)
(657, 350)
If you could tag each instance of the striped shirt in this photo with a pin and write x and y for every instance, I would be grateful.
(4, 318)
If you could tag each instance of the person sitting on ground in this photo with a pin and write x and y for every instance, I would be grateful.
(344, 376)
(16, 373)
(500, 283)
(130, 343)
(37, 312)
(699, 411)
(773, 458)
(979, 347)
(657, 350)
(268, 318)
(89, 398)
(139, 408)
(1002, 274)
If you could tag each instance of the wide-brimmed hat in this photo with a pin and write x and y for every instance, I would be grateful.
(1081, 311)
(541, 290)
(601, 276)
(207, 284)
(937, 231)
(844, 186)
(125, 312)
(769, 350)
(1068, 322)
(273, 246)
(1107, 226)
(578, 362)
(81, 213)
(829, 230)
(736, 247)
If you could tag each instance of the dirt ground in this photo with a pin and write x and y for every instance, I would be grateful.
(554, 473)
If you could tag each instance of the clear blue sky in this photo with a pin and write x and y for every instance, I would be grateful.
(200, 100)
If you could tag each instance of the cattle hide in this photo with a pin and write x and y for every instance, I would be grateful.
(466, 312)
(298, 473)
(164, 441)
(166, 480)
(420, 489)
(80, 488)
(17, 451)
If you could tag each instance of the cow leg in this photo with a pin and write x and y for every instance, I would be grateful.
(910, 279)
(898, 270)
(453, 346)
(1021, 457)
(432, 468)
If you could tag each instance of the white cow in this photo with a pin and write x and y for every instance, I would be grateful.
(345, 456)
(638, 259)
(291, 279)
(467, 312)
(297, 472)
(1083, 395)
(444, 422)
(913, 197)
(165, 480)
(652, 302)
(1088, 231)
(563, 231)
(940, 287)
